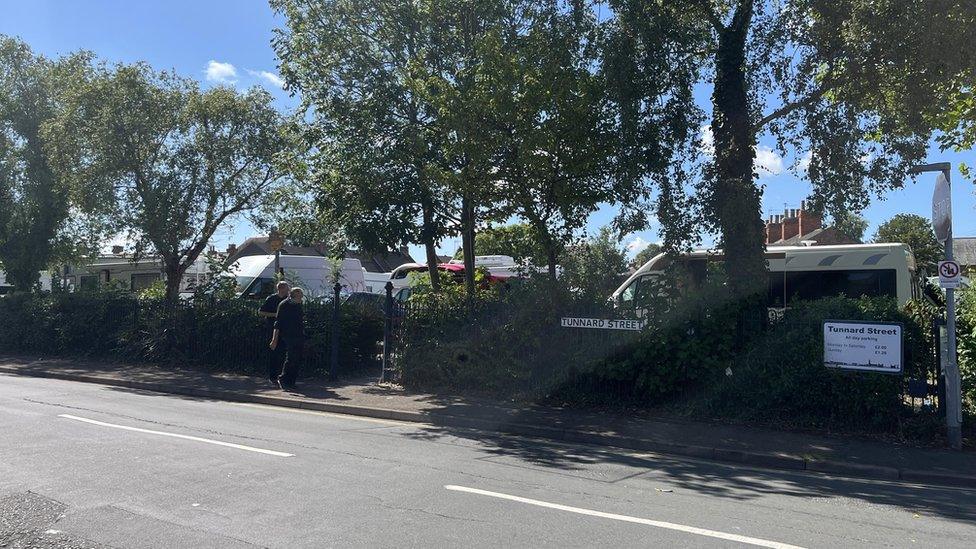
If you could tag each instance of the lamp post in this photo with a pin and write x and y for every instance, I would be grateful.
(942, 225)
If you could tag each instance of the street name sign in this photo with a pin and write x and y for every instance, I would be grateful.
(942, 209)
(603, 323)
(950, 275)
(864, 346)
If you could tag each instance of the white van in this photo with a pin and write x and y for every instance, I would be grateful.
(314, 274)
(800, 272)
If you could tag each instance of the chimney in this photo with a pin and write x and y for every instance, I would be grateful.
(809, 221)
(791, 224)
(231, 249)
(117, 250)
(774, 229)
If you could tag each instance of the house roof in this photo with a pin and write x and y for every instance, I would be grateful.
(374, 263)
(964, 250)
(821, 236)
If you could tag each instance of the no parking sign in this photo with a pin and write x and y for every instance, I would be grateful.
(950, 275)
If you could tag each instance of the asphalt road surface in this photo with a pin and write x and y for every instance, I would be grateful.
(84, 465)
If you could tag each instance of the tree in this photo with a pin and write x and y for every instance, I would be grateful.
(916, 231)
(169, 163)
(805, 73)
(851, 224)
(517, 240)
(362, 69)
(593, 267)
(556, 125)
(34, 201)
(645, 255)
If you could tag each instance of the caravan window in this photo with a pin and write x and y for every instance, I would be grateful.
(810, 285)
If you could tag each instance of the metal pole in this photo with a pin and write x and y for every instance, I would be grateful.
(387, 329)
(277, 268)
(953, 382)
(334, 362)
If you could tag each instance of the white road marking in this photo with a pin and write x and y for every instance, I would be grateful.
(327, 414)
(656, 523)
(174, 435)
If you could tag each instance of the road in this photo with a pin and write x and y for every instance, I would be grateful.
(84, 465)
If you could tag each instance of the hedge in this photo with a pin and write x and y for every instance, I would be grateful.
(225, 335)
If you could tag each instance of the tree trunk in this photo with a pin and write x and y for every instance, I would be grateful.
(552, 257)
(467, 243)
(736, 200)
(427, 235)
(174, 276)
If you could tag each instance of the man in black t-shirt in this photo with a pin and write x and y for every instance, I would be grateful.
(269, 311)
(289, 333)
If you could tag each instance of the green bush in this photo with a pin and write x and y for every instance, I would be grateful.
(781, 378)
(223, 334)
(966, 345)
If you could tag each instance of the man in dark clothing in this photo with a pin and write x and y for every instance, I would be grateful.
(269, 310)
(289, 332)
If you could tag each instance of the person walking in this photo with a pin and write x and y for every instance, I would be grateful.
(289, 332)
(269, 310)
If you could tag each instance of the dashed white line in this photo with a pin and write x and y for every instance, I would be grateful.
(624, 518)
(175, 435)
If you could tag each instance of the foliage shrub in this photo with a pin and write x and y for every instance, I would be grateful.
(226, 335)
(966, 345)
(781, 378)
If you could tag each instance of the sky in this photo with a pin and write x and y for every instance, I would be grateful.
(228, 42)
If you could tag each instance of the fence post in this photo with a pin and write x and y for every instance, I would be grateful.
(334, 348)
(387, 328)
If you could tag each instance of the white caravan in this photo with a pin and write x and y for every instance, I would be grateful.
(314, 274)
(799, 272)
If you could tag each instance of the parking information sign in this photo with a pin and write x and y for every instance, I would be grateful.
(950, 276)
(866, 346)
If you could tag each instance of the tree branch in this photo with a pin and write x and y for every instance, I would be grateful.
(709, 13)
(790, 107)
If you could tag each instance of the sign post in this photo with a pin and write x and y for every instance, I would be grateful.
(276, 241)
(942, 225)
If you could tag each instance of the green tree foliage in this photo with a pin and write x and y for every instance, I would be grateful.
(916, 231)
(167, 162)
(805, 73)
(517, 240)
(549, 101)
(645, 255)
(595, 267)
(362, 68)
(34, 201)
(850, 223)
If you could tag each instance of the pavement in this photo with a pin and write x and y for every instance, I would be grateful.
(837, 455)
(91, 465)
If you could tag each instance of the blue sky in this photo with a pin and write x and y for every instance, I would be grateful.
(229, 41)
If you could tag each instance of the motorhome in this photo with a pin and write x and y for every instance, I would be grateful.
(316, 275)
(798, 272)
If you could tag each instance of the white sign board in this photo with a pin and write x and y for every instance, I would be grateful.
(603, 323)
(950, 275)
(941, 209)
(867, 346)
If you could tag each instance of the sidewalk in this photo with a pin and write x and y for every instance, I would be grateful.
(452, 415)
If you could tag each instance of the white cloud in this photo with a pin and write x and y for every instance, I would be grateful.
(224, 73)
(803, 164)
(768, 162)
(269, 77)
(637, 245)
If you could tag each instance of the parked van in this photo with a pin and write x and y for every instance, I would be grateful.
(314, 274)
(799, 272)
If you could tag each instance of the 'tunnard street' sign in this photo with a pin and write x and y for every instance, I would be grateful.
(603, 323)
